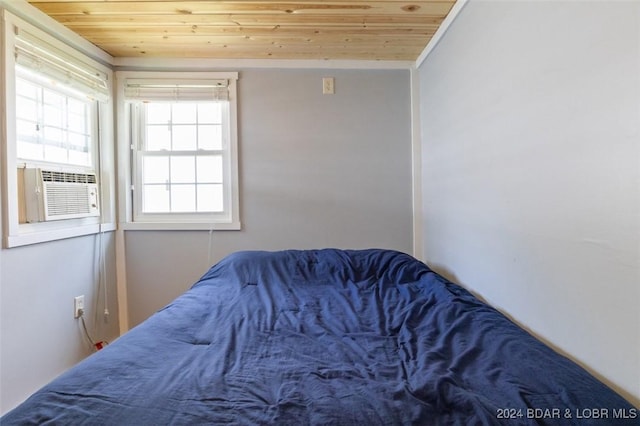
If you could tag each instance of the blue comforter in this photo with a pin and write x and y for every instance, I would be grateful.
(331, 337)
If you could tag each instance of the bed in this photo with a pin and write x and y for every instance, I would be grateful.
(325, 337)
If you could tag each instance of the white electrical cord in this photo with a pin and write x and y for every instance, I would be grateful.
(209, 261)
(84, 326)
(102, 261)
(103, 277)
(101, 289)
(96, 345)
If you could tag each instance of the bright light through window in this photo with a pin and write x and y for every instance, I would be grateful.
(51, 125)
(182, 158)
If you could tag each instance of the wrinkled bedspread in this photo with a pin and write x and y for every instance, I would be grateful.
(324, 337)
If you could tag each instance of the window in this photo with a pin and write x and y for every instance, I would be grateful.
(183, 162)
(51, 125)
(56, 103)
(54, 119)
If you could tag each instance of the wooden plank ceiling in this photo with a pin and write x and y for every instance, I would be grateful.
(254, 29)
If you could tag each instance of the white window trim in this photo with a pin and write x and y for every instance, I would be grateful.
(126, 180)
(14, 233)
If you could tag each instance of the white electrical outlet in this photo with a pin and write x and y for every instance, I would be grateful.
(328, 86)
(78, 306)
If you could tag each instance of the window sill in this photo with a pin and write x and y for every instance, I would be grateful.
(42, 236)
(180, 226)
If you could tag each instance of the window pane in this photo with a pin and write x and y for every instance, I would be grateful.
(184, 113)
(210, 198)
(156, 199)
(79, 158)
(77, 107)
(78, 142)
(25, 88)
(54, 99)
(55, 154)
(53, 116)
(158, 113)
(209, 169)
(26, 108)
(53, 136)
(210, 137)
(53, 111)
(210, 113)
(27, 131)
(184, 137)
(77, 123)
(183, 198)
(155, 170)
(32, 151)
(158, 137)
(183, 169)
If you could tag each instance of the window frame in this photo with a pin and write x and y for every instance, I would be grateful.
(17, 234)
(131, 217)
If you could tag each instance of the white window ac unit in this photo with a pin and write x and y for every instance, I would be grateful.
(55, 195)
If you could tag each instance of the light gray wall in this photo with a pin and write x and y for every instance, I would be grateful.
(315, 171)
(39, 338)
(531, 158)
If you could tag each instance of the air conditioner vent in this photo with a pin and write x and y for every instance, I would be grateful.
(69, 199)
(53, 176)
